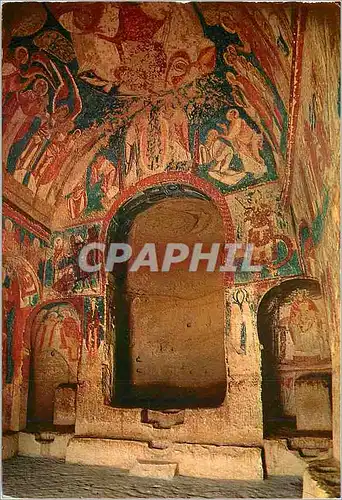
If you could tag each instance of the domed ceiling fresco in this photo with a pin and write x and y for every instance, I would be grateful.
(97, 97)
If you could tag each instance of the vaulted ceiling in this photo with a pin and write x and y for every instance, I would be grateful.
(99, 96)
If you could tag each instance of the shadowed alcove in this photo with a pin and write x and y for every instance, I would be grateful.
(54, 359)
(169, 326)
(296, 362)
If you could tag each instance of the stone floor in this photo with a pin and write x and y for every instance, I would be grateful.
(47, 478)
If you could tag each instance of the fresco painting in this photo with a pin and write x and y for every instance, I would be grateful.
(55, 346)
(58, 327)
(20, 241)
(21, 291)
(24, 247)
(301, 341)
(110, 109)
(301, 325)
(63, 274)
(24, 253)
(262, 223)
(93, 322)
(210, 103)
(316, 140)
(296, 348)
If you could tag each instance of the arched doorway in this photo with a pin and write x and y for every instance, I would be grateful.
(295, 352)
(55, 345)
(169, 326)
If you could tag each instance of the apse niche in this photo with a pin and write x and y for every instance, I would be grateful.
(55, 343)
(296, 360)
(169, 326)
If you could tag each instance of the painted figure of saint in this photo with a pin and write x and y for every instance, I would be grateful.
(237, 139)
(247, 143)
(216, 149)
(160, 139)
(12, 80)
(44, 156)
(77, 200)
(302, 329)
(238, 20)
(29, 105)
(306, 328)
(253, 99)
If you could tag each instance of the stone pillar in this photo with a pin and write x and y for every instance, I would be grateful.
(244, 356)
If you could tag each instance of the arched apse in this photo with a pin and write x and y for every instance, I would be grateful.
(169, 327)
(55, 349)
(295, 345)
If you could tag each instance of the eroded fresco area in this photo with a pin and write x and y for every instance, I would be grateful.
(315, 145)
(314, 173)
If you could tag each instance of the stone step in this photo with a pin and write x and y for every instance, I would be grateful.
(291, 456)
(310, 442)
(161, 470)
